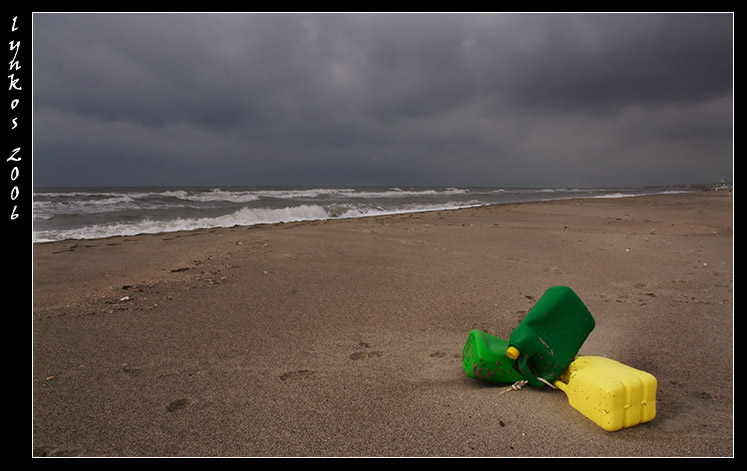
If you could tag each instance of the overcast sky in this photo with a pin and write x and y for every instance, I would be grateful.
(534, 100)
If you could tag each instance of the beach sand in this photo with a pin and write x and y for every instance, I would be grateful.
(344, 337)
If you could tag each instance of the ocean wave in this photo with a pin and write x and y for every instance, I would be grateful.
(618, 195)
(94, 198)
(244, 216)
(241, 217)
(46, 209)
(110, 212)
(350, 193)
(216, 195)
(399, 193)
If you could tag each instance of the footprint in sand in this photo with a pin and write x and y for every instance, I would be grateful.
(131, 370)
(300, 374)
(364, 355)
(177, 405)
(56, 452)
(69, 249)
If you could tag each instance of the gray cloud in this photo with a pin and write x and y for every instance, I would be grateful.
(477, 99)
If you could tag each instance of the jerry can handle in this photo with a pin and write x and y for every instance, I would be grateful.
(523, 367)
(525, 370)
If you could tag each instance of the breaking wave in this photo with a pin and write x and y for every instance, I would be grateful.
(101, 213)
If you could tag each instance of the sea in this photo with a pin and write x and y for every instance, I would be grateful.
(91, 213)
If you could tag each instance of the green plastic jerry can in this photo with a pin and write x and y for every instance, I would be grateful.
(550, 335)
(484, 357)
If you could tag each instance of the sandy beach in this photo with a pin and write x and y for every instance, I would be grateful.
(344, 337)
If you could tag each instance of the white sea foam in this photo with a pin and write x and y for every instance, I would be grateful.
(215, 195)
(350, 193)
(619, 195)
(242, 217)
(148, 226)
(110, 212)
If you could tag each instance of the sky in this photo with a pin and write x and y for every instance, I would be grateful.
(476, 99)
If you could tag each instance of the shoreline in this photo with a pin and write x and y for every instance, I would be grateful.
(343, 337)
(387, 214)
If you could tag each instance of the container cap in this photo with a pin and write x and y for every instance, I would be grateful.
(512, 353)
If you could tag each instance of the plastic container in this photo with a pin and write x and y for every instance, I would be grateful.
(484, 357)
(611, 394)
(550, 335)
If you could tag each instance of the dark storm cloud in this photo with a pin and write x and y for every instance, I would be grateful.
(597, 62)
(477, 99)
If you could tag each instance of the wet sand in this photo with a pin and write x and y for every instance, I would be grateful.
(344, 337)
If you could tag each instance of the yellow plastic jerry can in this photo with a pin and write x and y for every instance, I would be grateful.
(611, 394)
